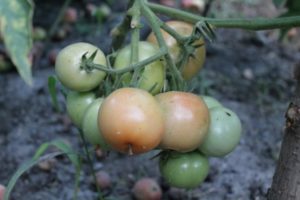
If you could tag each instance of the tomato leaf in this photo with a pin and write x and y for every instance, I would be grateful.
(15, 26)
(65, 150)
(53, 93)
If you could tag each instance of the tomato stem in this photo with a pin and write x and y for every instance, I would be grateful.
(90, 65)
(249, 24)
(154, 22)
(135, 38)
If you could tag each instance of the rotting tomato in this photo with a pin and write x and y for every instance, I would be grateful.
(90, 127)
(187, 120)
(184, 170)
(224, 133)
(69, 71)
(77, 103)
(195, 61)
(152, 75)
(131, 121)
(147, 189)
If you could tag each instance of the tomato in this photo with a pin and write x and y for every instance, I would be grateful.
(224, 133)
(196, 62)
(152, 75)
(147, 189)
(186, 118)
(211, 102)
(2, 191)
(90, 125)
(77, 103)
(131, 121)
(184, 170)
(68, 68)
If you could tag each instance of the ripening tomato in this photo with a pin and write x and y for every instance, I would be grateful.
(184, 170)
(77, 103)
(224, 133)
(90, 127)
(195, 61)
(187, 120)
(152, 76)
(131, 121)
(69, 71)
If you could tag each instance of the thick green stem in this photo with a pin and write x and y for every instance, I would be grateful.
(249, 24)
(90, 65)
(135, 38)
(154, 22)
(180, 39)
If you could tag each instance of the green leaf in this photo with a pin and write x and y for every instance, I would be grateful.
(278, 3)
(65, 150)
(25, 167)
(41, 150)
(15, 26)
(53, 93)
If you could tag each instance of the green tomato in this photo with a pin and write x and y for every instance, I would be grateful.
(68, 67)
(90, 127)
(152, 76)
(224, 133)
(77, 103)
(184, 170)
(211, 102)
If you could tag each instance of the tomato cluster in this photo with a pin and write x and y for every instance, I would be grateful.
(188, 128)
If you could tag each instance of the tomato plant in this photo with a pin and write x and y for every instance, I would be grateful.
(77, 103)
(224, 132)
(90, 127)
(195, 61)
(71, 74)
(187, 120)
(131, 120)
(184, 170)
(152, 76)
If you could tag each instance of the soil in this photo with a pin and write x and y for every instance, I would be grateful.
(250, 73)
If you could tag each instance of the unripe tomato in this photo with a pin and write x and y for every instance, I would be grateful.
(131, 121)
(211, 102)
(152, 75)
(90, 127)
(196, 62)
(184, 170)
(69, 71)
(224, 133)
(77, 103)
(186, 118)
